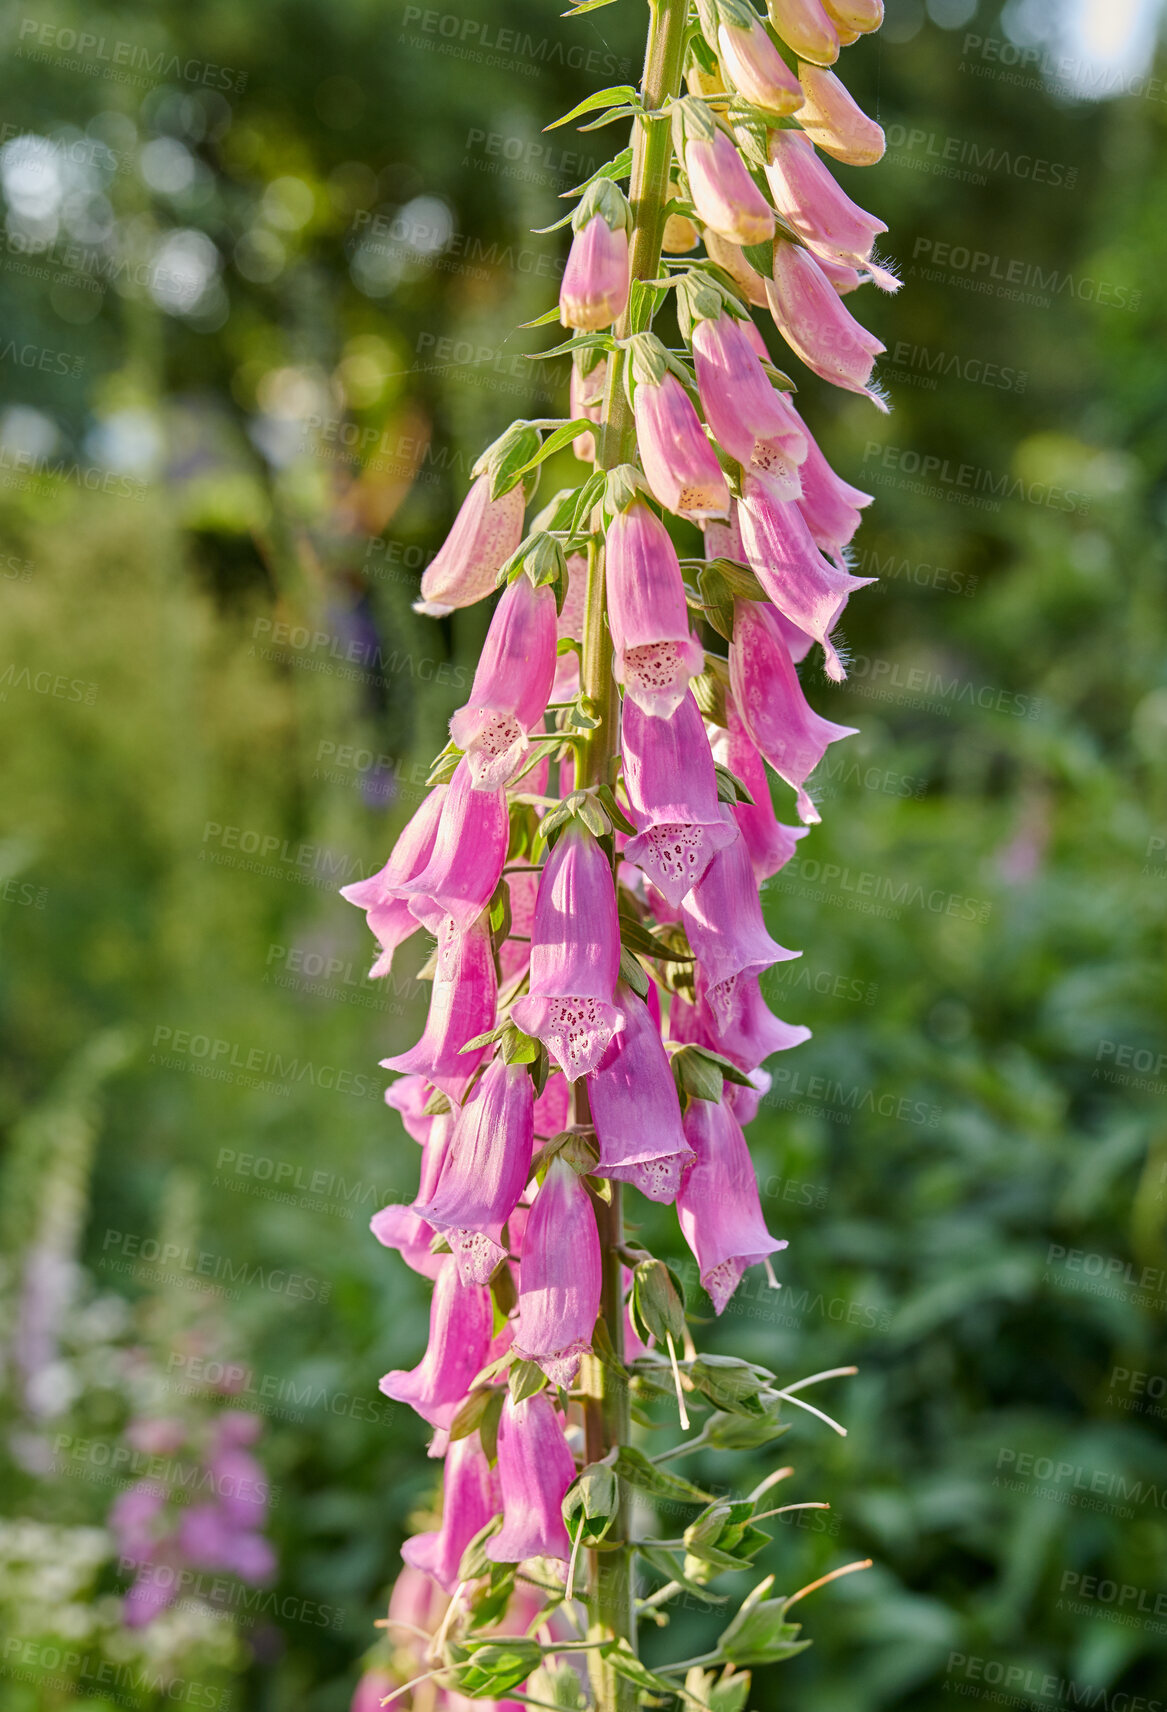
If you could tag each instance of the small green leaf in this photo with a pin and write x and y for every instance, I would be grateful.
(695, 1076)
(759, 1633)
(470, 1414)
(729, 787)
(493, 1667)
(618, 92)
(474, 1559)
(548, 315)
(592, 1503)
(632, 972)
(633, 1466)
(671, 1568)
(525, 1379)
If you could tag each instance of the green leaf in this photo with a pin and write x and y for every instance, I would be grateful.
(615, 813)
(592, 1503)
(671, 1568)
(632, 972)
(637, 937)
(593, 817)
(581, 342)
(470, 1414)
(525, 1379)
(496, 1586)
(618, 92)
(633, 1466)
(474, 1559)
(695, 1076)
(658, 1301)
(562, 436)
(493, 1667)
(729, 787)
(617, 168)
(552, 314)
(587, 6)
(626, 1664)
(561, 1686)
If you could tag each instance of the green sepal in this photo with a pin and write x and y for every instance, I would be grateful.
(592, 1503)
(759, 1633)
(633, 1466)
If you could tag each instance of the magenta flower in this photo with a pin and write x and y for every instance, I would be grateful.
(723, 918)
(535, 1469)
(387, 910)
(486, 532)
(804, 26)
(511, 685)
(485, 1169)
(399, 1228)
(469, 1501)
(575, 956)
(772, 707)
(656, 653)
(830, 506)
(466, 861)
(724, 196)
(461, 1318)
(679, 463)
(835, 122)
(461, 1007)
(408, 1096)
(756, 68)
(594, 292)
(824, 216)
(752, 1033)
(750, 419)
(769, 842)
(635, 1107)
(560, 1276)
(718, 1206)
(814, 323)
(672, 792)
(806, 588)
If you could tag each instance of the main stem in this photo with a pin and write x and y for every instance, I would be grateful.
(611, 1591)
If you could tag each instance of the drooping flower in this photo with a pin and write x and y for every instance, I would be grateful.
(656, 652)
(560, 1276)
(813, 205)
(809, 315)
(486, 532)
(769, 699)
(856, 17)
(470, 1498)
(723, 919)
(769, 842)
(725, 197)
(511, 686)
(718, 1206)
(804, 26)
(635, 1107)
(804, 586)
(724, 541)
(575, 956)
(381, 897)
(830, 506)
(750, 1036)
(485, 1169)
(535, 1469)
(467, 856)
(680, 465)
(751, 419)
(754, 66)
(594, 292)
(461, 1320)
(672, 791)
(834, 121)
(461, 1007)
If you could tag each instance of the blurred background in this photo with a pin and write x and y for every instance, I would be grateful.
(260, 274)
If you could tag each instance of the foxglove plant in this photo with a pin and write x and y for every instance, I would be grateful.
(589, 860)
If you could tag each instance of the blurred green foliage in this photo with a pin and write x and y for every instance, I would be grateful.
(277, 273)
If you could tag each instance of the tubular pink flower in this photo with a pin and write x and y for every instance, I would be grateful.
(467, 856)
(804, 26)
(770, 844)
(461, 1007)
(575, 956)
(486, 532)
(752, 1034)
(408, 1096)
(586, 398)
(757, 70)
(724, 196)
(535, 1469)
(470, 1499)
(809, 200)
(635, 1107)
(399, 1228)
(656, 653)
(485, 1169)
(460, 1333)
(514, 953)
(720, 1213)
(861, 16)
(806, 588)
(387, 911)
(672, 791)
(830, 506)
(732, 258)
(724, 541)
(679, 463)
(594, 292)
(723, 918)
(750, 418)
(834, 121)
(560, 1276)
(814, 323)
(772, 707)
(511, 685)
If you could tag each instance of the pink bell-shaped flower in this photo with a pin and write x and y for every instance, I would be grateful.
(672, 791)
(470, 1499)
(387, 910)
(756, 69)
(575, 956)
(461, 1007)
(824, 216)
(804, 26)
(752, 1033)
(594, 290)
(635, 1107)
(485, 1169)
(856, 17)
(830, 506)
(769, 699)
(723, 919)
(535, 1469)
(467, 856)
(834, 121)
(461, 1318)
(511, 685)
(724, 196)
(560, 1276)
(486, 532)
(718, 1206)
(680, 465)
(769, 842)
(656, 653)
(725, 541)
(806, 588)
(814, 323)
(750, 419)
(399, 1228)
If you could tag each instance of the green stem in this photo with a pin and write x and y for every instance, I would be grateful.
(607, 1422)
